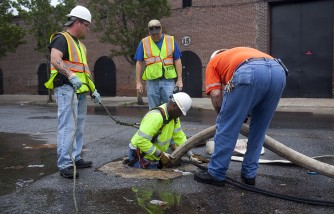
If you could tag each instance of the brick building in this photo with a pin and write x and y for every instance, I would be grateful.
(300, 32)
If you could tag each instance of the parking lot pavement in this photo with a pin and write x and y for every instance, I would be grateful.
(28, 120)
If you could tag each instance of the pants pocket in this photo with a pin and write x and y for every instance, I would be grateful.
(244, 77)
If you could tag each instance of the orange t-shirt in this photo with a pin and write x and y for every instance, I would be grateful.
(221, 68)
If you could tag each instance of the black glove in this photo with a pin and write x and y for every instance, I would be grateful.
(176, 89)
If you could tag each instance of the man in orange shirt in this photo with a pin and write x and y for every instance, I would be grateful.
(253, 83)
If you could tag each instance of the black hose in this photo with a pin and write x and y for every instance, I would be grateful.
(268, 193)
(136, 125)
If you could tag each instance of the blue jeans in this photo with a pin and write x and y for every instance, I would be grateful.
(159, 91)
(66, 125)
(137, 164)
(258, 86)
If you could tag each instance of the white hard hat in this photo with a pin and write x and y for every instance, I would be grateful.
(217, 52)
(183, 101)
(80, 12)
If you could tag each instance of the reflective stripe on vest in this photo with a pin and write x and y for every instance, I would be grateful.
(170, 49)
(148, 52)
(155, 58)
(75, 67)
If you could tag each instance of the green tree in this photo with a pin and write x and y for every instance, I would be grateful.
(43, 20)
(11, 35)
(122, 23)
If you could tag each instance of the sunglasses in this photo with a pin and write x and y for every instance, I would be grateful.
(154, 28)
(84, 23)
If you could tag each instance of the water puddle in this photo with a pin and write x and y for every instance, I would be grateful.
(290, 120)
(302, 120)
(23, 160)
(201, 116)
(136, 199)
(141, 200)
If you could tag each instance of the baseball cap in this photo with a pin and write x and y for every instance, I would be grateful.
(154, 26)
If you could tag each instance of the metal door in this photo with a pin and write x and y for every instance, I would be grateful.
(191, 74)
(105, 76)
(302, 36)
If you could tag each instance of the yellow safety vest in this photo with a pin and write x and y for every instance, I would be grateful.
(150, 126)
(77, 63)
(155, 58)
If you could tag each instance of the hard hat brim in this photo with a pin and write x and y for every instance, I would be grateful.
(69, 23)
(182, 110)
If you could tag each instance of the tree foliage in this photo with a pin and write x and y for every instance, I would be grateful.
(44, 19)
(11, 35)
(123, 23)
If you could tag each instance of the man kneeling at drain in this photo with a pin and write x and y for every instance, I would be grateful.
(160, 129)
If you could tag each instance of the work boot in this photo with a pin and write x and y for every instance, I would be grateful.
(80, 164)
(206, 177)
(68, 172)
(249, 181)
(126, 161)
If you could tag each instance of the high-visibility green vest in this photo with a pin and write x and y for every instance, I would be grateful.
(150, 126)
(77, 63)
(155, 58)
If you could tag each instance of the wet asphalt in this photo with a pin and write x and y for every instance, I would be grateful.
(30, 181)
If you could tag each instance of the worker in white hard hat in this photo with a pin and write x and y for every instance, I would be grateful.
(70, 75)
(159, 130)
(158, 62)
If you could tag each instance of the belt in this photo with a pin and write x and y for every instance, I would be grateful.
(251, 60)
(264, 59)
(161, 78)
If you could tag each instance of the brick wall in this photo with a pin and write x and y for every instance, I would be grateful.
(217, 24)
(211, 25)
